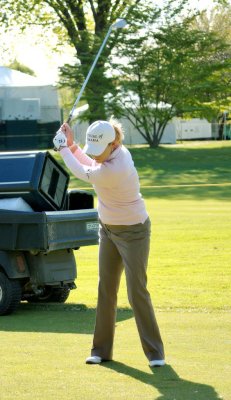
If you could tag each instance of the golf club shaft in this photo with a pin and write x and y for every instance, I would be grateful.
(88, 75)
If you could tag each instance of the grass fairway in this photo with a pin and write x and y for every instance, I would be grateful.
(187, 189)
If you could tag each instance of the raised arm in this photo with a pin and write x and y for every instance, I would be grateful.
(93, 174)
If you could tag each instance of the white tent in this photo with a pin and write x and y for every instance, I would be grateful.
(193, 129)
(11, 77)
(24, 97)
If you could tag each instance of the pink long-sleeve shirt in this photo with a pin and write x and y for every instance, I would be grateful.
(115, 182)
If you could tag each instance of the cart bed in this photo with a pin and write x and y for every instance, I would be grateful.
(48, 231)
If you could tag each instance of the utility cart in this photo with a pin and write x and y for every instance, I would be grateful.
(37, 262)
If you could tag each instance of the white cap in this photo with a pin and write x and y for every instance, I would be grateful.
(98, 136)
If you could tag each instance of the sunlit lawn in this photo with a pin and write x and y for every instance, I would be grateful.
(187, 189)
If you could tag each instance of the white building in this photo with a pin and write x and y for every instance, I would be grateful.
(132, 135)
(25, 97)
(28, 109)
(193, 129)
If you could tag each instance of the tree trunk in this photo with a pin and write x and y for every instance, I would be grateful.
(95, 92)
(154, 143)
(95, 100)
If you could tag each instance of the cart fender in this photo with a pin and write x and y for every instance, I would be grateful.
(14, 264)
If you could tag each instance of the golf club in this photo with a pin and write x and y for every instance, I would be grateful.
(60, 138)
(120, 23)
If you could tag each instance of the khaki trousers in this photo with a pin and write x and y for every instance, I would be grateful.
(125, 248)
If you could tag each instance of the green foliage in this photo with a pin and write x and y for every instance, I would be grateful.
(26, 13)
(216, 20)
(169, 70)
(156, 47)
(20, 67)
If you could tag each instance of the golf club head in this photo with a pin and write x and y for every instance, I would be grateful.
(120, 23)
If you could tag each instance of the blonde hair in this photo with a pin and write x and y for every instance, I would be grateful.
(118, 129)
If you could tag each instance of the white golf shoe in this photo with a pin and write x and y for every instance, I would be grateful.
(156, 363)
(93, 360)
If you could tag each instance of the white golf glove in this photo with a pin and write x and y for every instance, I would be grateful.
(60, 140)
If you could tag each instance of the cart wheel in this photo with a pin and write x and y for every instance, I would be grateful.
(51, 295)
(10, 294)
(60, 295)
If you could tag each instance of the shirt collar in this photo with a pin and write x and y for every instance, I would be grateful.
(115, 153)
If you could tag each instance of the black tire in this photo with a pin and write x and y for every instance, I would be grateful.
(10, 294)
(51, 295)
(60, 295)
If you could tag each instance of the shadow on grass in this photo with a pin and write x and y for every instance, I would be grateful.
(166, 166)
(167, 382)
(57, 318)
(189, 192)
(172, 161)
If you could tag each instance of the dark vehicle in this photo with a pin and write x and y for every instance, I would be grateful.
(37, 261)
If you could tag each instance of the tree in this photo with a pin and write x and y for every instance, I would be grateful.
(83, 23)
(170, 71)
(218, 20)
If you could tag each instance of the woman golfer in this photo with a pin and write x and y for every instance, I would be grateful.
(124, 236)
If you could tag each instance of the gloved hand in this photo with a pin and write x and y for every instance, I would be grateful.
(60, 140)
